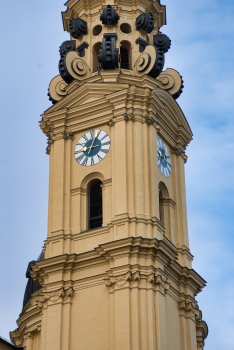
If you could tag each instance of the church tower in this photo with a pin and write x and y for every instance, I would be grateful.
(115, 272)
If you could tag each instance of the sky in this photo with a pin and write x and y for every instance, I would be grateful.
(202, 34)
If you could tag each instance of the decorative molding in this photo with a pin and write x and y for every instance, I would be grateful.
(160, 282)
(188, 309)
(120, 281)
(54, 296)
(201, 333)
(79, 190)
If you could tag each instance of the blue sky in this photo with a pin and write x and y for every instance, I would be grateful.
(202, 51)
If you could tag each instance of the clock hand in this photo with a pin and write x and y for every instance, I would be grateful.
(165, 151)
(84, 149)
(94, 137)
(160, 153)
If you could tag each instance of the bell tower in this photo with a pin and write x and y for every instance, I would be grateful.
(116, 268)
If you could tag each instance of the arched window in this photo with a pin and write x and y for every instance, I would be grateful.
(164, 208)
(126, 55)
(95, 205)
(96, 49)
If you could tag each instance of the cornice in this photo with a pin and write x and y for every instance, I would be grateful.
(82, 8)
(118, 100)
(128, 247)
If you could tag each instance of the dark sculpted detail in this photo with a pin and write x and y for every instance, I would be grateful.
(78, 27)
(108, 55)
(159, 64)
(66, 47)
(180, 90)
(145, 22)
(142, 44)
(162, 42)
(109, 16)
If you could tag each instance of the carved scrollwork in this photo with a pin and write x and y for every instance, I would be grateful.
(109, 16)
(171, 81)
(78, 27)
(143, 62)
(145, 22)
(64, 49)
(150, 62)
(57, 89)
(73, 67)
(162, 42)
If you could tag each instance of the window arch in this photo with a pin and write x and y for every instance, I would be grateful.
(96, 49)
(95, 205)
(163, 195)
(166, 211)
(126, 55)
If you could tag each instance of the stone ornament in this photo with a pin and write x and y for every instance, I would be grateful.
(162, 285)
(162, 42)
(66, 46)
(189, 308)
(145, 22)
(109, 16)
(150, 62)
(78, 27)
(57, 89)
(72, 66)
(156, 279)
(171, 81)
(108, 56)
(54, 296)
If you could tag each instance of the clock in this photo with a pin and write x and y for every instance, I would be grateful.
(164, 161)
(92, 147)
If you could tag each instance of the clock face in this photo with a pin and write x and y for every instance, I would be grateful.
(92, 147)
(164, 161)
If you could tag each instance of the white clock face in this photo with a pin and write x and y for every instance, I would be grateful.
(92, 147)
(164, 161)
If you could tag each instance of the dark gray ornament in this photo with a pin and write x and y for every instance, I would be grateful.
(162, 42)
(145, 22)
(69, 45)
(179, 92)
(158, 65)
(78, 27)
(109, 16)
(66, 47)
(108, 56)
(142, 44)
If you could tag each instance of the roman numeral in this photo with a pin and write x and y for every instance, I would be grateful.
(104, 150)
(99, 158)
(106, 143)
(80, 144)
(104, 137)
(92, 133)
(92, 161)
(77, 152)
(79, 159)
(85, 137)
(99, 131)
(85, 161)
